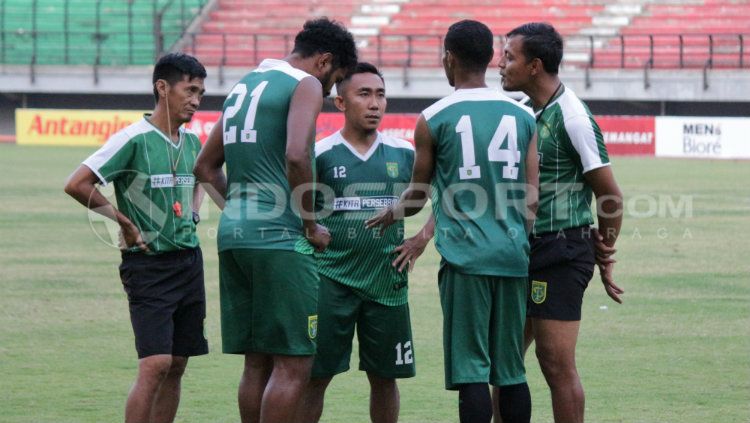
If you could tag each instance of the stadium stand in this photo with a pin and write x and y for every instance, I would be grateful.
(105, 32)
(403, 33)
(637, 34)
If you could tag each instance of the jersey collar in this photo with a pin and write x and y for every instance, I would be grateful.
(368, 154)
(164, 136)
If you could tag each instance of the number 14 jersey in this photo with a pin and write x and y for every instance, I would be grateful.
(481, 138)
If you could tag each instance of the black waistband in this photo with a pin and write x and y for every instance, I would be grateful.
(167, 255)
(585, 232)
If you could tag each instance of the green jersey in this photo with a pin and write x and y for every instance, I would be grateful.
(570, 144)
(353, 188)
(481, 139)
(258, 211)
(153, 181)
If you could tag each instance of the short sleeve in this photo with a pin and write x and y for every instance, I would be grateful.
(112, 158)
(587, 140)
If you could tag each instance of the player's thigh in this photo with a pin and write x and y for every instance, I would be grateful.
(236, 300)
(555, 342)
(386, 346)
(285, 302)
(150, 282)
(466, 301)
(507, 331)
(338, 307)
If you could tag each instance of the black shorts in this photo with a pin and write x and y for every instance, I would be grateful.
(167, 302)
(562, 264)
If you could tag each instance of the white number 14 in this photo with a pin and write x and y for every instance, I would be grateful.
(509, 155)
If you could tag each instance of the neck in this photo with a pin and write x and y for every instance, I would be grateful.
(360, 139)
(298, 62)
(171, 127)
(542, 91)
(465, 81)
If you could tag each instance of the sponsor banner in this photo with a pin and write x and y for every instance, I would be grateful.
(202, 123)
(703, 137)
(70, 127)
(628, 135)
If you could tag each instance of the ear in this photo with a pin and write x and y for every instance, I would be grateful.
(338, 101)
(324, 61)
(536, 66)
(162, 87)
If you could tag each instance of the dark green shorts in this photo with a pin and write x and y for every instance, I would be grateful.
(384, 333)
(483, 320)
(269, 302)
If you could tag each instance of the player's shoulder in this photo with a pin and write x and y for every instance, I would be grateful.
(394, 142)
(571, 106)
(281, 66)
(326, 144)
(192, 137)
(132, 132)
(474, 95)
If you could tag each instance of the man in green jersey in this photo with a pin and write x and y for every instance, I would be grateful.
(361, 170)
(564, 248)
(478, 149)
(150, 164)
(268, 232)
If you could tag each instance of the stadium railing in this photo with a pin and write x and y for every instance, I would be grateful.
(99, 32)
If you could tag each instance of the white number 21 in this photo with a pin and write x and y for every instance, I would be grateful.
(248, 134)
(509, 155)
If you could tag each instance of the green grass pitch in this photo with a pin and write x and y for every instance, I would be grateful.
(678, 350)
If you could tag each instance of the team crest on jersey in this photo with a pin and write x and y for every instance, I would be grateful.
(312, 326)
(392, 169)
(544, 132)
(538, 291)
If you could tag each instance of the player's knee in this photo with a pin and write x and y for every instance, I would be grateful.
(177, 368)
(382, 384)
(155, 367)
(292, 368)
(556, 366)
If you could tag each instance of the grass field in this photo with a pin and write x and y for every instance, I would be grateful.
(678, 350)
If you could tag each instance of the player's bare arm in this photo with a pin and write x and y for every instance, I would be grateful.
(209, 167)
(609, 218)
(303, 114)
(532, 183)
(414, 197)
(413, 247)
(81, 185)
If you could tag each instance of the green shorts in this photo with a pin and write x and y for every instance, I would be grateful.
(269, 302)
(384, 333)
(483, 320)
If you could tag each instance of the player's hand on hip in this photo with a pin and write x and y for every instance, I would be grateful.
(612, 289)
(318, 236)
(131, 237)
(384, 218)
(603, 252)
(409, 251)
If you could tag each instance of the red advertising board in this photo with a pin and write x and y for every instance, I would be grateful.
(624, 135)
(628, 135)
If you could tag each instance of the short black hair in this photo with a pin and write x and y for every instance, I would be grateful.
(173, 66)
(323, 35)
(471, 42)
(541, 41)
(360, 67)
